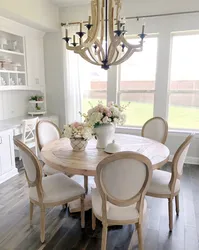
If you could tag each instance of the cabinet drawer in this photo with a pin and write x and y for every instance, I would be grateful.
(6, 152)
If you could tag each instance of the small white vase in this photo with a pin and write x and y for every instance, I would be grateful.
(105, 134)
(78, 144)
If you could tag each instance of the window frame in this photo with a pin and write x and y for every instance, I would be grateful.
(141, 91)
(171, 91)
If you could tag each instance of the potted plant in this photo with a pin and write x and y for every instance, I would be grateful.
(79, 134)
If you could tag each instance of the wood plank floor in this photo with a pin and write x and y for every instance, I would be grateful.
(63, 230)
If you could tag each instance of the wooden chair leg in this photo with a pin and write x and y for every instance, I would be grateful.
(42, 224)
(86, 184)
(177, 204)
(104, 237)
(93, 221)
(140, 236)
(31, 212)
(170, 208)
(82, 212)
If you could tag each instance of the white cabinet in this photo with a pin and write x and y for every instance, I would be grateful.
(7, 159)
(35, 62)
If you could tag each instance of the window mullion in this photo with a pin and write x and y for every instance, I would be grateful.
(162, 75)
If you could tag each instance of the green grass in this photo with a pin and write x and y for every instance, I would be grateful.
(138, 113)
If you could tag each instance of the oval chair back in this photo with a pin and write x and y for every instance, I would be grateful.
(46, 132)
(123, 179)
(156, 129)
(33, 170)
(178, 161)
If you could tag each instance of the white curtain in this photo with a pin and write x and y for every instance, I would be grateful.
(74, 80)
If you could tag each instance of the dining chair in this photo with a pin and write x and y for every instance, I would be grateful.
(28, 134)
(167, 185)
(47, 131)
(156, 129)
(51, 191)
(122, 180)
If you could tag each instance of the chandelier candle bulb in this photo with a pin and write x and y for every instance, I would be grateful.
(143, 27)
(66, 32)
(89, 20)
(73, 38)
(81, 26)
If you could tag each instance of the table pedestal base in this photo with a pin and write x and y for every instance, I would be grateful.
(75, 206)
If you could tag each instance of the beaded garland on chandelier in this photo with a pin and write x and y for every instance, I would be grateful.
(105, 45)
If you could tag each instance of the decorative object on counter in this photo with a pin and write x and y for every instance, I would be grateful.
(112, 148)
(79, 134)
(12, 82)
(3, 42)
(36, 105)
(2, 82)
(2, 61)
(15, 66)
(103, 119)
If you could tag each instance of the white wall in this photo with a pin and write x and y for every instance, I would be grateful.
(133, 8)
(164, 27)
(40, 14)
(14, 103)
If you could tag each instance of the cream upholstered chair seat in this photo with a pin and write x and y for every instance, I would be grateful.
(115, 212)
(49, 171)
(57, 188)
(160, 183)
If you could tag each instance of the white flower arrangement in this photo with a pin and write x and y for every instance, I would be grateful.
(101, 114)
(78, 130)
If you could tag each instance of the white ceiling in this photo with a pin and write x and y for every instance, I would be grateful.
(69, 2)
(62, 3)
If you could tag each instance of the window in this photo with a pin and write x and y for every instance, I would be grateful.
(184, 84)
(95, 85)
(137, 83)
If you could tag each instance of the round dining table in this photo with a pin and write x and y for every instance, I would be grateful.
(59, 154)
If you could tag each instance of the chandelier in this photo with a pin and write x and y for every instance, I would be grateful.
(104, 43)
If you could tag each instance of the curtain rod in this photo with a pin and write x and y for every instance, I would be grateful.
(147, 16)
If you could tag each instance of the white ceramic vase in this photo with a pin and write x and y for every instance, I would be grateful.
(105, 134)
(78, 144)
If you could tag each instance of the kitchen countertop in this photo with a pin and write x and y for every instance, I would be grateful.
(15, 122)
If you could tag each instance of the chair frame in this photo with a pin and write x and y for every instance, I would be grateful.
(38, 184)
(174, 177)
(166, 127)
(40, 146)
(138, 198)
(37, 131)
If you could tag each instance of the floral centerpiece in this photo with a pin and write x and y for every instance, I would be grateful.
(104, 119)
(79, 134)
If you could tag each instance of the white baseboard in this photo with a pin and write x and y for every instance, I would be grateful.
(188, 160)
(8, 175)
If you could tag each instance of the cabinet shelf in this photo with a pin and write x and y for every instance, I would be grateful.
(12, 71)
(12, 52)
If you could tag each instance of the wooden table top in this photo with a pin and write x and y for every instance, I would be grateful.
(59, 154)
